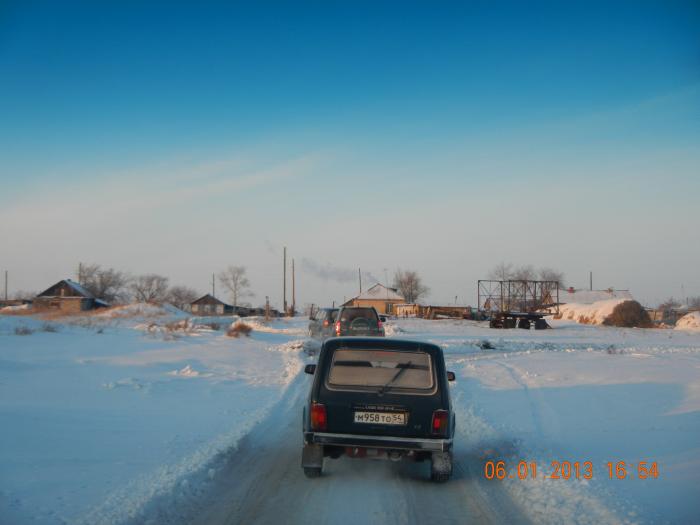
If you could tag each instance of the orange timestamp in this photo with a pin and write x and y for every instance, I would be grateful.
(569, 470)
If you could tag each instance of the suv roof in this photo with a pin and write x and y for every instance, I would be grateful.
(388, 343)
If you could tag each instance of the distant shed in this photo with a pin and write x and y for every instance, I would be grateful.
(67, 296)
(210, 305)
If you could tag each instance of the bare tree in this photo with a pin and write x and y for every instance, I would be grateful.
(501, 272)
(181, 296)
(669, 304)
(149, 288)
(550, 274)
(525, 272)
(108, 284)
(410, 285)
(235, 281)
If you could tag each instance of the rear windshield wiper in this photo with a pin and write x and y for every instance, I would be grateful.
(402, 368)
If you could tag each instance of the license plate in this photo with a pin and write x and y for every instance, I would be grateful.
(381, 418)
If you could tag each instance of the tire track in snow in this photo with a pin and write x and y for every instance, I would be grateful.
(542, 501)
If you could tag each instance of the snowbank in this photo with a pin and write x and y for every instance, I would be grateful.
(594, 313)
(689, 321)
(96, 424)
(139, 310)
(392, 329)
(259, 324)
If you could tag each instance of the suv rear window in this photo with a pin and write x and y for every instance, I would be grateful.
(375, 369)
(350, 314)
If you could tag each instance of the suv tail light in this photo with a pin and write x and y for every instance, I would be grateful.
(440, 420)
(337, 328)
(319, 418)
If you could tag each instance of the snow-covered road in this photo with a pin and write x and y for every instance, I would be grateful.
(263, 483)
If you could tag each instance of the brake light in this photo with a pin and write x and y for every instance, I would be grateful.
(319, 418)
(440, 419)
(337, 328)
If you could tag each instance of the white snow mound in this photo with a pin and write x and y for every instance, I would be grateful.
(594, 313)
(260, 325)
(134, 310)
(689, 321)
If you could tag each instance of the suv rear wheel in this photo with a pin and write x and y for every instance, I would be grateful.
(440, 466)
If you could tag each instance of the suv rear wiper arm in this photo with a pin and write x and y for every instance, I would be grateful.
(403, 368)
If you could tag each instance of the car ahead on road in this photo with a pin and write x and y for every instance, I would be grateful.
(322, 323)
(358, 320)
(379, 398)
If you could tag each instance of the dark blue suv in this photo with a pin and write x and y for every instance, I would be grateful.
(377, 397)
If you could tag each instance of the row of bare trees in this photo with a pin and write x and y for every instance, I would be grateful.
(527, 272)
(672, 304)
(115, 286)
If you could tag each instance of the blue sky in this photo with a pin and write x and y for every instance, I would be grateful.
(179, 139)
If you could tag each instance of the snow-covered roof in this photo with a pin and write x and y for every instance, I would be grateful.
(592, 296)
(76, 287)
(380, 292)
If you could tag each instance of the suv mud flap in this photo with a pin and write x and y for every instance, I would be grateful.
(312, 456)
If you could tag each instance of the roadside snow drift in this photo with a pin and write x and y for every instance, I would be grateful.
(689, 321)
(102, 416)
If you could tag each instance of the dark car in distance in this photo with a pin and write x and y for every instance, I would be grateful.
(358, 321)
(379, 398)
(322, 322)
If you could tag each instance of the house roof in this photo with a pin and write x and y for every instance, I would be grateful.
(208, 299)
(75, 287)
(379, 292)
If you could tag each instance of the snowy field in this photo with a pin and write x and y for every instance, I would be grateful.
(122, 419)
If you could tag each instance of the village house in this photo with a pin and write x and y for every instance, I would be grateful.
(67, 296)
(210, 305)
(381, 297)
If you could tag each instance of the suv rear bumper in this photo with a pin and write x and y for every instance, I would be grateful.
(393, 442)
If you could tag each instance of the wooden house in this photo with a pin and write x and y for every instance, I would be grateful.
(210, 305)
(67, 296)
(381, 297)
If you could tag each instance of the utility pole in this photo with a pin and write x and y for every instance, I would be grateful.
(591, 280)
(359, 273)
(213, 286)
(5, 285)
(294, 296)
(284, 281)
(267, 308)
